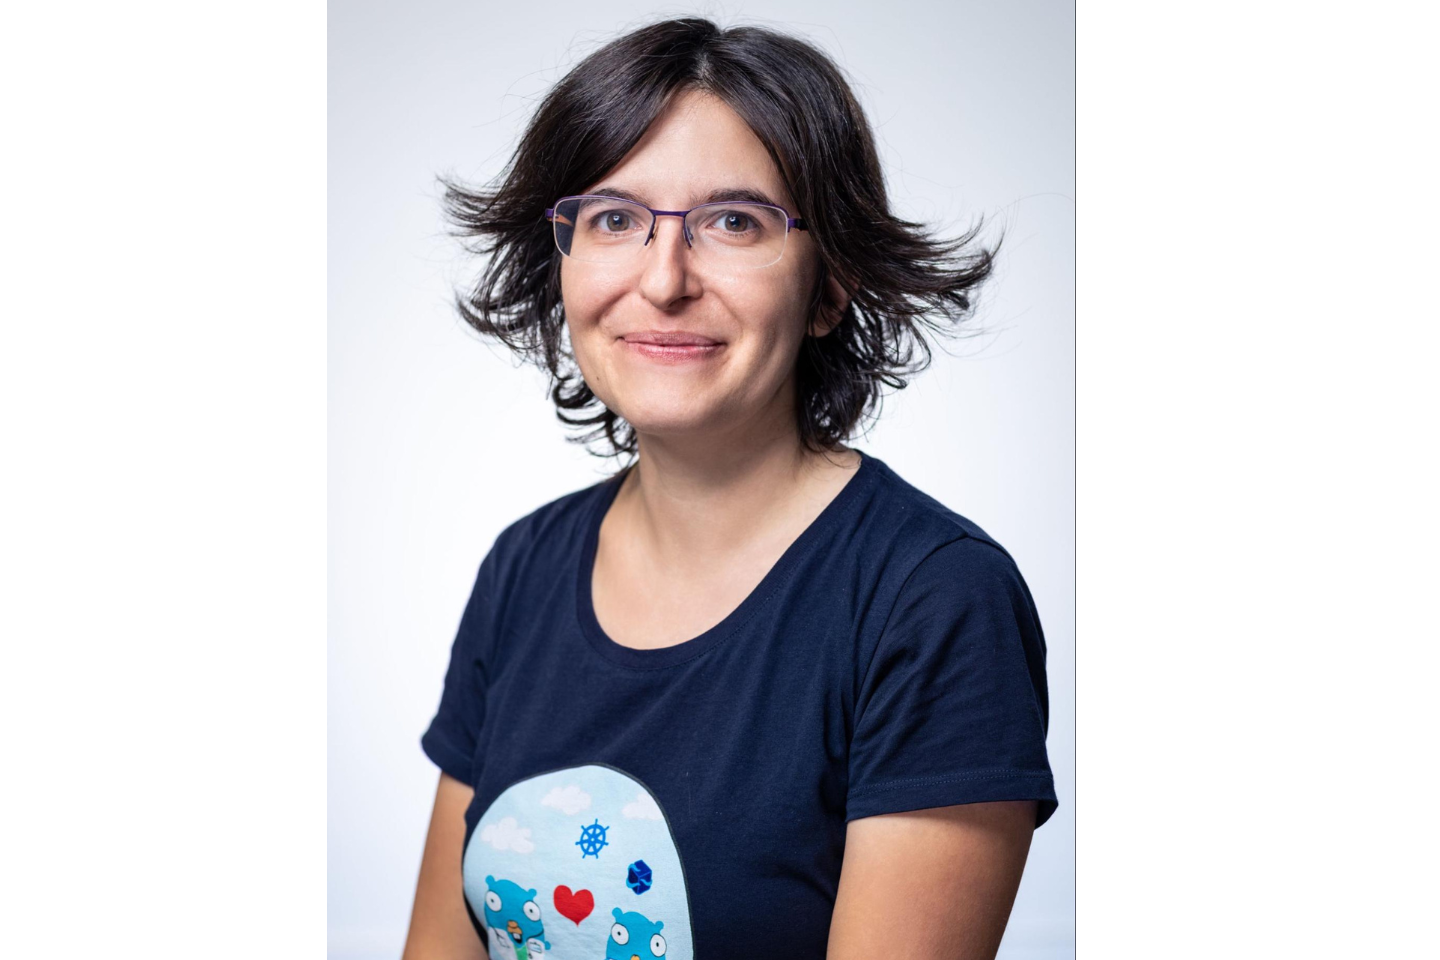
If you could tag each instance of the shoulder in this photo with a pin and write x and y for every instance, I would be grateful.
(966, 577)
(550, 520)
(937, 536)
(542, 539)
(938, 563)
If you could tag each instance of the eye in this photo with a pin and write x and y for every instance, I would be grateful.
(616, 221)
(735, 222)
(531, 910)
(619, 934)
(492, 900)
(741, 223)
(657, 945)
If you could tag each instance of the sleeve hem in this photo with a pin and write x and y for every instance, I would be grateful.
(446, 757)
(906, 795)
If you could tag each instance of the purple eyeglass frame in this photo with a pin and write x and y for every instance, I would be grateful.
(796, 223)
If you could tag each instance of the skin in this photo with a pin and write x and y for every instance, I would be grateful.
(721, 488)
(440, 929)
(942, 880)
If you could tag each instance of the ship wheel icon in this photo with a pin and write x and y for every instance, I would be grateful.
(592, 838)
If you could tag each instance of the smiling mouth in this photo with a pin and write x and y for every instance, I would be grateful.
(671, 340)
(674, 352)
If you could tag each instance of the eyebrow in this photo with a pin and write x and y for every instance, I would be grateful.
(720, 195)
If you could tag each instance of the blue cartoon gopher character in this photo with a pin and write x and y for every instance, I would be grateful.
(513, 917)
(634, 937)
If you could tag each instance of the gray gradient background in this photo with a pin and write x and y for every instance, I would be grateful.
(437, 441)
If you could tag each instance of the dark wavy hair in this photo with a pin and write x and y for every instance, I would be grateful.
(800, 106)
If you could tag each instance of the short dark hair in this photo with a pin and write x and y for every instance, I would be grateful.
(801, 108)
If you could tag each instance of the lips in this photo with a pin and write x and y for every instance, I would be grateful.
(670, 339)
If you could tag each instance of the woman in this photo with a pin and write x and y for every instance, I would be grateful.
(754, 694)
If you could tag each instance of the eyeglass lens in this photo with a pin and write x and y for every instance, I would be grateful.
(605, 230)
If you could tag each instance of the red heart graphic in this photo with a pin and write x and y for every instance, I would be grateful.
(574, 906)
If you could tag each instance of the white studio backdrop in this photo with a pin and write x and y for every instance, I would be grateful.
(437, 441)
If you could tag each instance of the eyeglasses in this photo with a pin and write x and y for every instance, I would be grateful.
(738, 233)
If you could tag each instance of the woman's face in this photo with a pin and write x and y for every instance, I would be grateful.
(756, 315)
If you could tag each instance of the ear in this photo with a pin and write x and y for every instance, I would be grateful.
(834, 298)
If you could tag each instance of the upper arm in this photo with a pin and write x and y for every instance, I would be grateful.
(952, 706)
(440, 927)
(451, 739)
(939, 882)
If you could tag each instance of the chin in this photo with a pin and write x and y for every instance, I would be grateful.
(659, 426)
(675, 417)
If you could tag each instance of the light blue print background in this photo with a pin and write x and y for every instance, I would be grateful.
(531, 836)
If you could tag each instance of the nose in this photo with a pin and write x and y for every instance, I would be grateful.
(667, 274)
(661, 218)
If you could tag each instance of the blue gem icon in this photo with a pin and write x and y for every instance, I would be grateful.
(638, 877)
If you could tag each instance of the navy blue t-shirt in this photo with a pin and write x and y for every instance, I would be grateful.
(691, 800)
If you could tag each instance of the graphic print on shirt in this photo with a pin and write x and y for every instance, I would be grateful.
(578, 864)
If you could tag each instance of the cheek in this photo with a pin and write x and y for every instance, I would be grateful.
(586, 293)
(775, 314)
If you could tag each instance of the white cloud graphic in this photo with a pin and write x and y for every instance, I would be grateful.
(507, 835)
(643, 807)
(568, 800)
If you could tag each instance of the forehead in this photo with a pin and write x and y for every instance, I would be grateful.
(697, 145)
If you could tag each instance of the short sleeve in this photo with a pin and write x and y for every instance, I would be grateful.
(450, 741)
(953, 706)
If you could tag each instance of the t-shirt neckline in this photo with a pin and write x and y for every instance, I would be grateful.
(689, 649)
